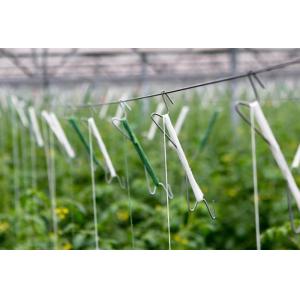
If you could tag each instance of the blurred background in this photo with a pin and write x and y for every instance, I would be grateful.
(139, 67)
(137, 71)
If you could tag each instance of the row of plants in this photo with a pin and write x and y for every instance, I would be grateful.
(131, 218)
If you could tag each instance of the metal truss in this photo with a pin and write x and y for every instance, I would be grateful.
(58, 66)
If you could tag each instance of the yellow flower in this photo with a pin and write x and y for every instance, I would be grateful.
(122, 215)
(4, 226)
(180, 240)
(67, 246)
(158, 207)
(62, 212)
(226, 158)
(232, 192)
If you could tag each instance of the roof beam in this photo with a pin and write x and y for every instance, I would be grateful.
(14, 59)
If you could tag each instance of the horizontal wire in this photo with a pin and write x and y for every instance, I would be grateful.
(215, 81)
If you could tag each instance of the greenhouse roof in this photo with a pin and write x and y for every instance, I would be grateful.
(44, 66)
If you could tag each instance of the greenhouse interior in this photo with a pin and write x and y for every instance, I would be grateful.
(149, 148)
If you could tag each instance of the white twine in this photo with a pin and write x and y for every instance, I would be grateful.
(35, 127)
(166, 181)
(128, 192)
(16, 166)
(33, 162)
(255, 186)
(50, 159)
(24, 156)
(93, 189)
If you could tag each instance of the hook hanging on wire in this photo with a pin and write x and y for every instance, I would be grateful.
(238, 110)
(160, 128)
(278, 156)
(129, 134)
(152, 130)
(116, 120)
(165, 98)
(172, 137)
(211, 212)
(110, 172)
(252, 75)
(75, 126)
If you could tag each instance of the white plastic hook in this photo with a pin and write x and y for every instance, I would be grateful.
(121, 109)
(58, 131)
(276, 151)
(180, 120)
(20, 110)
(47, 118)
(102, 147)
(296, 160)
(35, 126)
(64, 139)
(195, 187)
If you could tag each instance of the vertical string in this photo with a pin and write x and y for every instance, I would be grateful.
(33, 178)
(72, 191)
(50, 159)
(33, 162)
(128, 192)
(16, 168)
(255, 186)
(53, 188)
(93, 188)
(2, 119)
(6, 140)
(166, 183)
(2, 148)
(24, 156)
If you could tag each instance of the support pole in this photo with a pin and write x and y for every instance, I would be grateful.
(233, 84)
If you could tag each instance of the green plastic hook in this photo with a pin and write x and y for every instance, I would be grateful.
(75, 126)
(132, 137)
